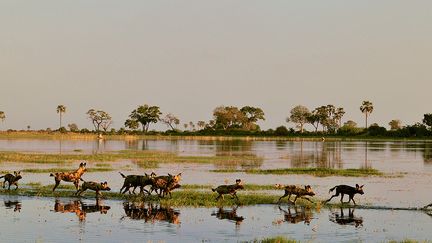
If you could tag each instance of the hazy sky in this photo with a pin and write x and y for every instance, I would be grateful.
(187, 57)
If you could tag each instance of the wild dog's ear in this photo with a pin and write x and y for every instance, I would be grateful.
(19, 172)
(146, 174)
(179, 174)
(357, 186)
(169, 175)
(361, 186)
(85, 164)
(106, 183)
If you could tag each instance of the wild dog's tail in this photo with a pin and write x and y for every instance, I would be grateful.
(82, 179)
(1, 177)
(52, 174)
(213, 189)
(122, 175)
(332, 189)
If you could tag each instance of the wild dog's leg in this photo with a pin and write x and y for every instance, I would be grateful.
(57, 183)
(295, 199)
(342, 195)
(219, 196)
(335, 195)
(352, 198)
(76, 182)
(235, 195)
(9, 185)
(284, 195)
(16, 184)
(307, 199)
(4, 184)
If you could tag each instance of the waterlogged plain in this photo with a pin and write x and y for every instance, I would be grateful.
(88, 220)
(396, 174)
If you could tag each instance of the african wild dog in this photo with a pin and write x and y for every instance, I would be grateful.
(228, 189)
(137, 181)
(11, 179)
(349, 190)
(165, 184)
(95, 186)
(74, 176)
(298, 191)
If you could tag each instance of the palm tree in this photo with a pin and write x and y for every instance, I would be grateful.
(2, 116)
(61, 109)
(366, 108)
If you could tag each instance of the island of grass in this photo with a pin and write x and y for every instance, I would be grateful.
(320, 172)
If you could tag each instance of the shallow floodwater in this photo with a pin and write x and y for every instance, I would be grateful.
(390, 156)
(25, 219)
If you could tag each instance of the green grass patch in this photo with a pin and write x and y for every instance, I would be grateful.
(320, 172)
(248, 187)
(102, 165)
(185, 197)
(52, 170)
(145, 159)
(276, 239)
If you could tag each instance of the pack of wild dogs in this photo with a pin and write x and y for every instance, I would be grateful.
(163, 185)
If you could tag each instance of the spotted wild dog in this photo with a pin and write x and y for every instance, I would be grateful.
(165, 184)
(11, 179)
(295, 190)
(74, 176)
(349, 190)
(137, 181)
(95, 186)
(228, 189)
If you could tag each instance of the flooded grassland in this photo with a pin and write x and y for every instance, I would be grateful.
(397, 176)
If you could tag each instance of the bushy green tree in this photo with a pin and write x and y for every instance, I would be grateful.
(395, 125)
(427, 120)
(299, 115)
(144, 115)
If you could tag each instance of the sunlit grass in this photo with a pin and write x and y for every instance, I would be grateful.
(51, 170)
(320, 172)
(144, 159)
(184, 197)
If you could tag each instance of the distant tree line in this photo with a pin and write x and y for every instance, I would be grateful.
(235, 121)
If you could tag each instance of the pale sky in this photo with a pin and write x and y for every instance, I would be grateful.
(187, 57)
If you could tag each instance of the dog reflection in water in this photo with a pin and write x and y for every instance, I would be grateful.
(296, 214)
(151, 213)
(79, 208)
(229, 214)
(16, 205)
(350, 219)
